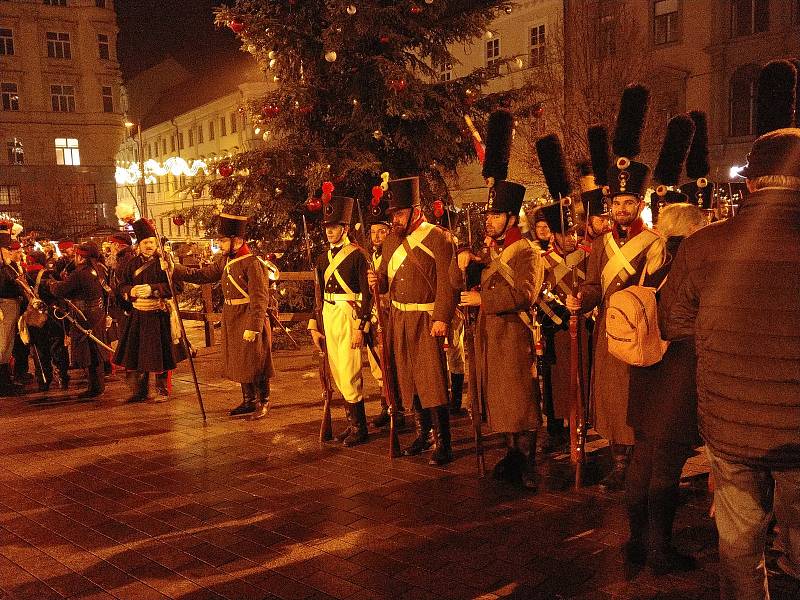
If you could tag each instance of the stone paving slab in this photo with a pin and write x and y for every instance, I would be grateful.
(106, 500)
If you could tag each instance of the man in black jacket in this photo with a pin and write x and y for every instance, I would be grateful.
(734, 286)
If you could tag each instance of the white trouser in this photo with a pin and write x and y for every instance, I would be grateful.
(8, 328)
(340, 323)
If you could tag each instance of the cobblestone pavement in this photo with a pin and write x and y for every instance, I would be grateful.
(107, 500)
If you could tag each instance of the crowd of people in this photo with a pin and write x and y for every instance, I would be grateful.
(532, 311)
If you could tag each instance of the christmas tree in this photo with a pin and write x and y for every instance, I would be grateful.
(356, 94)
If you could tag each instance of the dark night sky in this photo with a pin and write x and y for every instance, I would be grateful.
(151, 29)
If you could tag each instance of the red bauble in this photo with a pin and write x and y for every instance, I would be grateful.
(384, 39)
(225, 169)
(314, 204)
(236, 26)
(538, 111)
(398, 85)
(415, 9)
(178, 220)
(438, 209)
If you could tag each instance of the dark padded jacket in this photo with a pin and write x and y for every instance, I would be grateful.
(735, 286)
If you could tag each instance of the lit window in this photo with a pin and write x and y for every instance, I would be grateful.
(6, 42)
(537, 47)
(9, 196)
(223, 127)
(62, 98)
(10, 96)
(108, 99)
(493, 55)
(100, 3)
(67, 152)
(55, 2)
(446, 72)
(234, 123)
(103, 46)
(16, 155)
(665, 21)
(58, 45)
(749, 17)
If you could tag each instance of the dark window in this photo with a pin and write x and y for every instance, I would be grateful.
(6, 42)
(665, 21)
(108, 99)
(234, 122)
(493, 56)
(58, 45)
(180, 140)
(55, 2)
(210, 130)
(103, 47)
(10, 96)
(742, 95)
(100, 3)
(16, 155)
(537, 47)
(446, 72)
(62, 98)
(172, 143)
(191, 136)
(749, 17)
(164, 146)
(223, 127)
(200, 134)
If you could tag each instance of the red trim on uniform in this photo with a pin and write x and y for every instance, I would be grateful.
(512, 235)
(34, 267)
(65, 245)
(585, 247)
(635, 229)
(242, 251)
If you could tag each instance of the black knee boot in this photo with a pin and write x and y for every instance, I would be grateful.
(509, 468)
(422, 427)
(139, 384)
(615, 480)
(456, 391)
(262, 390)
(443, 452)
(162, 387)
(530, 479)
(358, 425)
(97, 383)
(382, 420)
(348, 413)
(248, 404)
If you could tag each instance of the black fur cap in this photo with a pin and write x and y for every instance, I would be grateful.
(697, 164)
(630, 120)
(775, 98)
(498, 145)
(551, 158)
(680, 131)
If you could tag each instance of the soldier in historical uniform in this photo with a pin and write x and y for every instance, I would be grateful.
(346, 312)
(84, 286)
(119, 308)
(246, 331)
(617, 261)
(415, 273)
(504, 350)
(150, 342)
(10, 298)
(447, 217)
(66, 262)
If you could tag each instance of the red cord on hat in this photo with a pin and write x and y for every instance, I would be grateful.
(377, 194)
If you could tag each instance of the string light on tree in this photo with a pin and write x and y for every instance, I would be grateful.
(351, 9)
(330, 56)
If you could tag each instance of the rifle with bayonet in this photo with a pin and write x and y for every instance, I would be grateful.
(325, 428)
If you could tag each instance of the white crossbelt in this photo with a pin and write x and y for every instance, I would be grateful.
(342, 297)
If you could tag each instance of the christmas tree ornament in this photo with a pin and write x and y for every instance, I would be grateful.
(271, 54)
(415, 9)
(384, 39)
(236, 26)
(178, 220)
(225, 169)
(377, 134)
(351, 10)
(273, 62)
(438, 209)
(314, 204)
(398, 85)
(330, 56)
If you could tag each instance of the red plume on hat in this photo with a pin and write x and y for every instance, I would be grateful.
(377, 194)
(327, 192)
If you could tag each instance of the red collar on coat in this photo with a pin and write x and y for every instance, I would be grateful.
(413, 226)
(242, 251)
(635, 229)
(512, 235)
(34, 267)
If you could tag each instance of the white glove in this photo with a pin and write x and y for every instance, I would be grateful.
(141, 291)
(249, 336)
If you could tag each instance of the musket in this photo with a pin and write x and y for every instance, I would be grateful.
(387, 374)
(38, 304)
(472, 373)
(576, 413)
(176, 308)
(325, 427)
(62, 314)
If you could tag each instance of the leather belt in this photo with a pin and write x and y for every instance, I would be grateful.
(88, 304)
(413, 306)
(342, 297)
(237, 301)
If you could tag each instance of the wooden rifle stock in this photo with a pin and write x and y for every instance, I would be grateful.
(325, 427)
(387, 377)
(474, 402)
(577, 416)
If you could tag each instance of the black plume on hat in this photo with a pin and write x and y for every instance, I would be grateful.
(598, 151)
(498, 145)
(775, 98)
(551, 158)
(697, 164)
(680, 131)
(630, 120)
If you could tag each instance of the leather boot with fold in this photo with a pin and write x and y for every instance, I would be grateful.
(456, 392)
(358, 424)
(530, 478)
(139, 384)
(97, 382)
(162, 387)
(262, 392)
(348, 410)
(382, 420)
(422, 427)
(443, 452)
(615, 480)
(248, 404)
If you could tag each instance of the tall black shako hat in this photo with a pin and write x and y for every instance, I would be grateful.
(505, 197)
(627, 176)
(552, 215)
(551, 159)
(402, 193)
(143, 229)
(680, 131)
(337, 210)
(594, 174)
(232, 226)
(700, 191)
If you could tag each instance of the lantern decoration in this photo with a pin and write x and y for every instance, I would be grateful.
(178, 220)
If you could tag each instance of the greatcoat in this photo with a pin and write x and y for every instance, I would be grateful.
(504, 349)
(420, 292)
(245, 287)
(641, 248)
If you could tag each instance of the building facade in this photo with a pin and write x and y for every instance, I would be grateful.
(60, 117)
(202, 118)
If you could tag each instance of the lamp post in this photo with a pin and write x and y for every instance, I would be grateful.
(141, 185)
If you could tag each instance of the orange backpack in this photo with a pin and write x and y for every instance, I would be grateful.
(632, 325)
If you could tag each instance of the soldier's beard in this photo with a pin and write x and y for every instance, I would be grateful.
(625, 219)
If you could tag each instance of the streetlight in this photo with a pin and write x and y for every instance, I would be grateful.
(141, 184)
